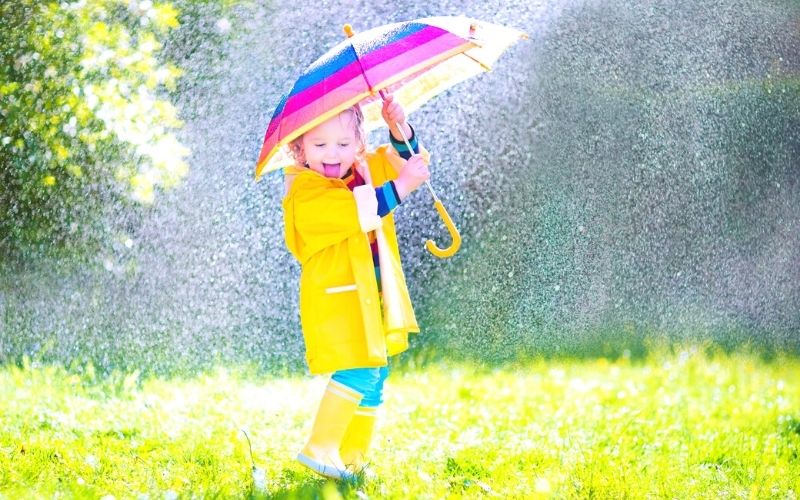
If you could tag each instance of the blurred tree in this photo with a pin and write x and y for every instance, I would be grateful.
(83, 120)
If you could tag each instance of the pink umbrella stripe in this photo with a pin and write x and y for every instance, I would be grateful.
(318, 91)
(344, 55)
(309, 113)
(385, 53)
(422, 37)
(377, 74)
(416, 58)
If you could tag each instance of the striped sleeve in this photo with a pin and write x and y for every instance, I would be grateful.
(388, 199)
(400, 145)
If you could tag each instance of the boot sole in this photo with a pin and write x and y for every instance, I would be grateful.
(323, 469)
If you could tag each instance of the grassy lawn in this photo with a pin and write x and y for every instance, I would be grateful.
(683, 424)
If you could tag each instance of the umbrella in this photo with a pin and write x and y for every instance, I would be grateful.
(414, 60)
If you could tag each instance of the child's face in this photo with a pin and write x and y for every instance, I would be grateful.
(330, 148)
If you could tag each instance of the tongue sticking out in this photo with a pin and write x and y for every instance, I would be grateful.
(331, 170)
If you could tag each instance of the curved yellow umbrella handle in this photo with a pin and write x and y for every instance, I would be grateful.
(430, 245)
(455, 245)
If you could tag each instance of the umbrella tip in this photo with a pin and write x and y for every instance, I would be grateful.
(348, 30)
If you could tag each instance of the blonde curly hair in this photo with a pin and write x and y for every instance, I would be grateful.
(296, 146)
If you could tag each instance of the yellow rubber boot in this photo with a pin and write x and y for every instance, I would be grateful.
(321, 453)
(358, 438)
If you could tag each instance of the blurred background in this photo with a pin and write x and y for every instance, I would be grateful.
(626, 177)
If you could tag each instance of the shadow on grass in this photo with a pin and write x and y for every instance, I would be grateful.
(306, 486)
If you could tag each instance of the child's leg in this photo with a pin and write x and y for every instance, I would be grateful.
(373, 396)
(321, 452)
(359, 434)
(361, 380)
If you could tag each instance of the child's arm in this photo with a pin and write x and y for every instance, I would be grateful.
(399, 145)
(415, 172)
(388, 198)
(394, 116)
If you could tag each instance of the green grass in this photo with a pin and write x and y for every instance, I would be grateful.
(695, 424)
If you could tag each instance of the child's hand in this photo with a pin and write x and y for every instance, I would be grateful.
(394, 116)
(415, 172)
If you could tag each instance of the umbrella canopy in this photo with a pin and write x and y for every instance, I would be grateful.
(414, 60)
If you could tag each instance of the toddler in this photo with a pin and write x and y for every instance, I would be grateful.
(339, 225)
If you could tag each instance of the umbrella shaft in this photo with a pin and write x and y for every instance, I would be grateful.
(408, 145)
(430, 188)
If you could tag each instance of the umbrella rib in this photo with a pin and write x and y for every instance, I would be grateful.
(361, 67)
(484, 66)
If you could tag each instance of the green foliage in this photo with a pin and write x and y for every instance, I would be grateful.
(690, 423)
(83, 121)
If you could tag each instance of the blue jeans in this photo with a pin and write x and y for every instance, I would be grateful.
(367, 381)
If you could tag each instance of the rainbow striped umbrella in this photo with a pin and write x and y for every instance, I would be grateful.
(414, 60)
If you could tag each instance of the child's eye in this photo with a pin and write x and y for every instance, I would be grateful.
(344, 145)
(319, 145)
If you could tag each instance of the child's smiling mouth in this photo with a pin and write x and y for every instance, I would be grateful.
(331, 169)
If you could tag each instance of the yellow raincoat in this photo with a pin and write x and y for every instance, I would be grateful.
(340, 308)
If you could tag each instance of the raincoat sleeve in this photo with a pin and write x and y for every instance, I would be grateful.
(316, 216)
(400, 146)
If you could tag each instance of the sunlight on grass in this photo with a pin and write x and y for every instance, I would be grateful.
(676, 425)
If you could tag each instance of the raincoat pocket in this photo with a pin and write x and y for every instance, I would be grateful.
(341, 289)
